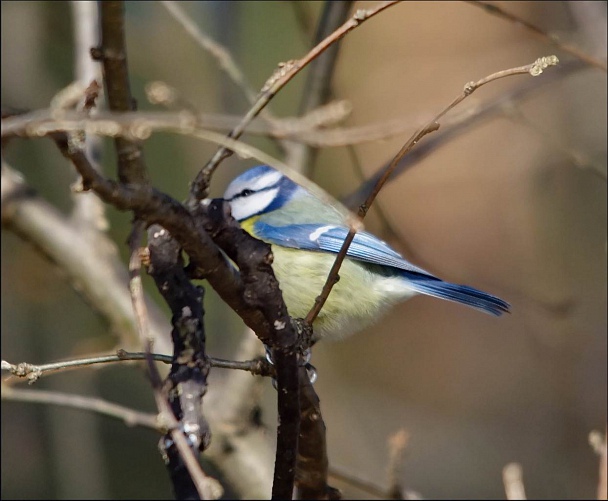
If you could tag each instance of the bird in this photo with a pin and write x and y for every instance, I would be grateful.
(306, 234)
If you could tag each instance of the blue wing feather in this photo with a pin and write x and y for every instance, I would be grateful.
(368, 248)
(329, 238)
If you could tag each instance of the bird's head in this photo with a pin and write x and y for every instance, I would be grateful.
(259, 190)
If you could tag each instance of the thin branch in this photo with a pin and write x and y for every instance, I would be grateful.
(356, 481)
(539, 33)
(313, 463)
(101, 277)
(533, 69)
(462, 124)
(312, 128)
(88, 211)
(276, 82)
(207, 487)
(32, 372)
(261, 289)
(123, 195)
(221, 54)
(129, 416)
(317, 88)
(113, 55)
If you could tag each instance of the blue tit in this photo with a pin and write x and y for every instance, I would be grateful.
(306, 234)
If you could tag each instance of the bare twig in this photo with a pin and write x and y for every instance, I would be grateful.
(31, 372)
(207, 487)
(312, 128)
(129, 416)
(88, 211)
(218, 51)
(457, 127)
(139, 129)
(368, 486)
(113, 55)
(539, 33)
(313, 463)
(512, 480)
(276, 82)
(224, 58)
(317, 88)
(534, 69)
(101, 277)
(261, 288)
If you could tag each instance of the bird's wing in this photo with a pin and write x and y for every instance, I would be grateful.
(366, 247)
(329, 238)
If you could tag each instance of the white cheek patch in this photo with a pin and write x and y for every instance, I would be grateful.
(257, 184)
(314, 236)
(266, 181)
(244, 207)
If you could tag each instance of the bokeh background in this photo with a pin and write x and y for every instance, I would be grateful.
(516, 206)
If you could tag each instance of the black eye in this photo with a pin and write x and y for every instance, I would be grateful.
(246, 192)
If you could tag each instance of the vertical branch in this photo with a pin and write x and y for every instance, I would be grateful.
(89, 211)
(261, 291)
(187, 381)
(313, 464)
(181, 455)
(312, 461)
(317, 89)
(113, 55)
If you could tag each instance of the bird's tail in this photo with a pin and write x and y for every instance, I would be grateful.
(458, 293)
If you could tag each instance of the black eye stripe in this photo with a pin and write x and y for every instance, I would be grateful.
(245, 193)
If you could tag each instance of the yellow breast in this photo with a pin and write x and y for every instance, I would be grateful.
(356, 301)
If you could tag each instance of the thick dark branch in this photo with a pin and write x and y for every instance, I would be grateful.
(313, 464)
(156, 207)
(261, 291)
(187, 380)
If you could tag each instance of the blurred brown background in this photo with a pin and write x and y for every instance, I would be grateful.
(503, 208)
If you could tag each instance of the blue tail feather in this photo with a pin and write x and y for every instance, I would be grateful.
(458, 293)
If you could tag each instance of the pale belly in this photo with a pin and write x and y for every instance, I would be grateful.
(358, 299)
